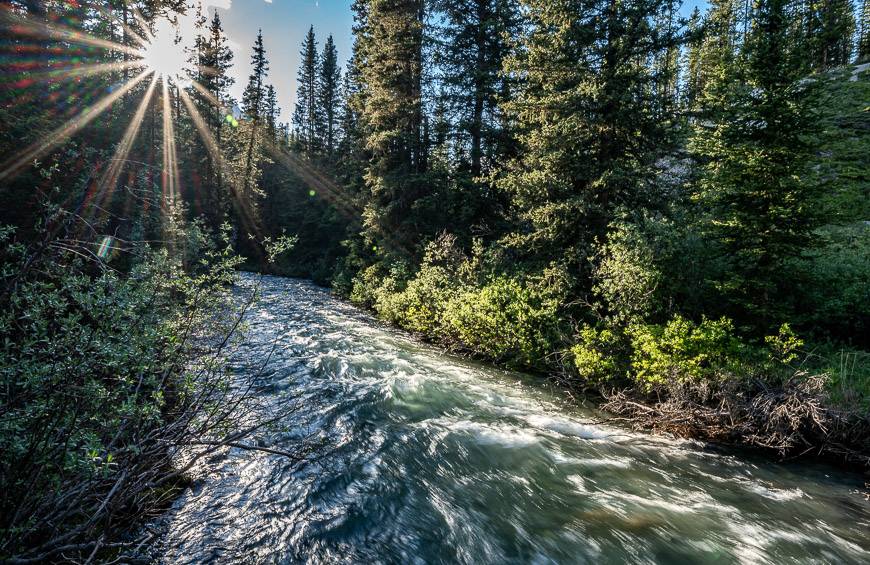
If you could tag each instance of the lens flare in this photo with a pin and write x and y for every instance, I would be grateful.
(105, 247)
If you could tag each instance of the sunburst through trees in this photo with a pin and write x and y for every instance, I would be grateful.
(100, 64)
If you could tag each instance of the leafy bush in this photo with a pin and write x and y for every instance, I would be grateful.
(420, 307)
(103, 374)
(625, 273)
(682, 351)
(598, 355)
(506, 320)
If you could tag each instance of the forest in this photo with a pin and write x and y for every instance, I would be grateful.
(667, 215)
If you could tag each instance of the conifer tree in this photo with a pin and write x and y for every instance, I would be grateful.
(864, 35)
(692, 61)
(328, 95)
(474, 40)
(271, 111)
(307, 117)
(391, 44)
(252, 105)
(753, 149)
(833, 26)
(588, 133)
(720, 42)
(214, 61)
(665, 61)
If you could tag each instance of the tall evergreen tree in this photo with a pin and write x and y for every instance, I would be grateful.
(864, 33)
(252, 105)
(307, 117)
(720, 43)
(271, 112)
(588, 133)
(691, 88)
(391, 44)
(328, 95)
(474, 40)
(831, 30)
(666, 61)
(753, 149)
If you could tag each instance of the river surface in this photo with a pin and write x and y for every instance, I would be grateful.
(423, 457)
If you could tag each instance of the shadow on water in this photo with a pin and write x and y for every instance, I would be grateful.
(422, 457)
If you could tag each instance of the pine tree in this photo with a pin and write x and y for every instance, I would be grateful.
(271, 112)
(214, 61)
(391, 44)
(307, 117)
(252, 105)
(864, 36)
(589, 135)
(665, 61)
(720, 42)
(833, 27)
(691, 89)
(474, 40)
(328, 87)
(753, 151)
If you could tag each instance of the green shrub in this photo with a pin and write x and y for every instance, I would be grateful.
(598, 355)
(506, 320)
(625, 273)
(103, 374)
(420, 307)
(683, 352)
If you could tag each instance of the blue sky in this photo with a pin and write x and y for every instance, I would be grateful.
(284, 24)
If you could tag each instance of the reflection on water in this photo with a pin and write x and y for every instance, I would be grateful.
(427, 458)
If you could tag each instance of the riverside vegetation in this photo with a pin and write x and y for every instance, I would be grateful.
(670, 212)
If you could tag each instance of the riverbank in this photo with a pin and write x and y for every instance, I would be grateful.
(420, 454)
(694, 380)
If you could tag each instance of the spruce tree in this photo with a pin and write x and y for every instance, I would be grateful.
(328, 95)
(214, 61)
(753, 149)
(831, 44)
(665, 61)
(589, 136)
(271, 112)
(864, 35)
(307, 117)
(391, 44)
(691, 88)
(720, 42)
(252, 105)
(473, 42)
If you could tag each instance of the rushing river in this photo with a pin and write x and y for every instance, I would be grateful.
(428, 458)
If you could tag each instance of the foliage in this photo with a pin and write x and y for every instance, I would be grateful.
(103, 373)
(753, 148)
(597, 354)
(626, 275)
(681, 351)
(506, 320)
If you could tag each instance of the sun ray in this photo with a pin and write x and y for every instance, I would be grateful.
(127, 29)
(14, 164)
(239, 201)
(28, 26)
(169, 177)
(323, 186)
(78, 71)
(109, 180)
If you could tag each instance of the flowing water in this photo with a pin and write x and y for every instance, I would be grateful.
(428, 458)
